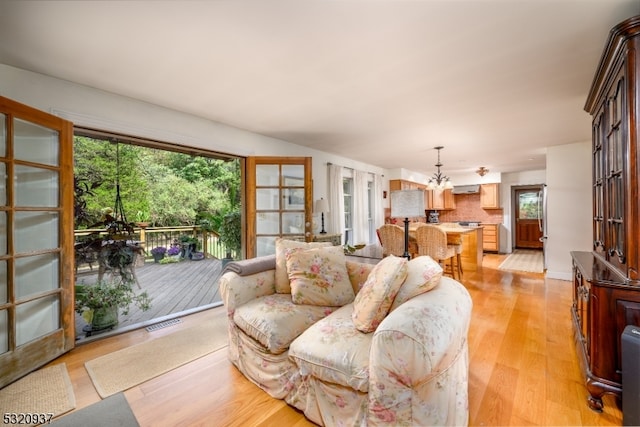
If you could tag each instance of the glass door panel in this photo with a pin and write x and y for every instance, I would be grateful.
(36, 239)
(278, 202)
(35, 143)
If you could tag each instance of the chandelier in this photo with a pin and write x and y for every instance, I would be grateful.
(439, 181)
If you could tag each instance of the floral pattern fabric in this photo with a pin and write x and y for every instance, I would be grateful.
(423, 274)
(374, 300)
(274, 320)
(319, 276)
(282, 276)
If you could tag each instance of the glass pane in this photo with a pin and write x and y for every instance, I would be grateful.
(293, 223)
(265, 245)
(35, 231)
(293, 175)
(4, 331)
(529, 207)
(268, 223)
(267, 199)
(267, 175)
(37, 318)
(293, 199)
(36, 187)
(3, 184)
(36, 274)
(3, 233)
(3, 135)
(35, 143)
(4, 294)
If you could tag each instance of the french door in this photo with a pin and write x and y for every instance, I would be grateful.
(36, 239)
(279, 202)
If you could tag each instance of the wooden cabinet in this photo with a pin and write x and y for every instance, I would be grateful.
(490, 238)
(606, 280)
(603, 305)
(490, 196)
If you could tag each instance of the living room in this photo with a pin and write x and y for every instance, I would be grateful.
(566, 168)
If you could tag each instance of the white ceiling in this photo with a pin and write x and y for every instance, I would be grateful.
(382, 81)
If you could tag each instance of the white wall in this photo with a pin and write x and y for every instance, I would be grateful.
(569, 213)
(89, 107)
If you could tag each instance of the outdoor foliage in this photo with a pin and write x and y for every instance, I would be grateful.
(159, 187)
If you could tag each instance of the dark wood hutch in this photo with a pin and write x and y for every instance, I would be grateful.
(607, 280)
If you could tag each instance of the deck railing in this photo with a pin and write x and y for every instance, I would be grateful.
(150, 237)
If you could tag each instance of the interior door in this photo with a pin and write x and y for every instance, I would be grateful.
(529, 217)
(36, 239)
(279, 202)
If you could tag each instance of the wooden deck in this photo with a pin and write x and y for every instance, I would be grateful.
(175, 289)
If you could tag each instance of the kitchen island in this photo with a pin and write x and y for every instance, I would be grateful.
(471, 242)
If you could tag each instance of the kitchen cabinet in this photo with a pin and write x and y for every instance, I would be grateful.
(490, 196)
(606, 280)
(490, 238)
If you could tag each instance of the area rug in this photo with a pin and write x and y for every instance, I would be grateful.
(114, 411)
(45, 391)
(126, 368)
(524, 260)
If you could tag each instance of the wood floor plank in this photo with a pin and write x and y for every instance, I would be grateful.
(523, 366)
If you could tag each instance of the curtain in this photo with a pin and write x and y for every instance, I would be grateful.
(377, 216)
(335, 217)
(360, 207)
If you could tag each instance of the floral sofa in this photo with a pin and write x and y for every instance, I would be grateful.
(389, 350)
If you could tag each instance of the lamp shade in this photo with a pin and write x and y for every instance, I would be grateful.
(321, 206)
(407, 203)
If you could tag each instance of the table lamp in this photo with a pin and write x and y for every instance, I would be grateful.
(407, 204)
(322, 206)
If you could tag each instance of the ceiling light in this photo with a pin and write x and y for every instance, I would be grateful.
(482, 171)
(439, 181)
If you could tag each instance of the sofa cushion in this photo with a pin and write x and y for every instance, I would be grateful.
(274, 320)
(372, 303)
(423, 274)
(319, 276)
(282, 278)
(334, 351)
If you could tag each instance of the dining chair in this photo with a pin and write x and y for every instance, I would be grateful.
(432, 241)
(391, 238)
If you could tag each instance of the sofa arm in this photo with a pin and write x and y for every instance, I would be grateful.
(237, 290)
(419, 360)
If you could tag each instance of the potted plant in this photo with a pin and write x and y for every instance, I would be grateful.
(230, 232)
(189, 245)
(99, 304)
(158, 253)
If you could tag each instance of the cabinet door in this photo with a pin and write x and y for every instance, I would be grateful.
(489, 196)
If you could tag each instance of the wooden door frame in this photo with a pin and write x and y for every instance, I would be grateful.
(514, 208)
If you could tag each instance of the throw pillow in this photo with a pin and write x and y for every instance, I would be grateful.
(372, 303)
(282, 278)
(423, 274)
(319, 276)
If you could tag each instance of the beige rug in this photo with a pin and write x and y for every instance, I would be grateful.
(126, 368)
(524, 260)
(45, 391)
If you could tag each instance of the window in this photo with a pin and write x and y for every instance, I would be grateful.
(347, 189)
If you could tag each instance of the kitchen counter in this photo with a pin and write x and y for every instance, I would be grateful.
(471, 243)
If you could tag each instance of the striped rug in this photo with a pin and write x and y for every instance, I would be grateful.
(527, 260)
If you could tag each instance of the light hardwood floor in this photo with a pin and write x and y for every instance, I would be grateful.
(523, 366)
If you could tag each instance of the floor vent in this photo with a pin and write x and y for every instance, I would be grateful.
(164, 324)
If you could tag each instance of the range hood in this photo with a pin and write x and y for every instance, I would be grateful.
(466, 189)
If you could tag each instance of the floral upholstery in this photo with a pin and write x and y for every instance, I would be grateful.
(413, 370)
(423, 274)
(374, 300)
(282, 276)
(274, 320)
(319, 276)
